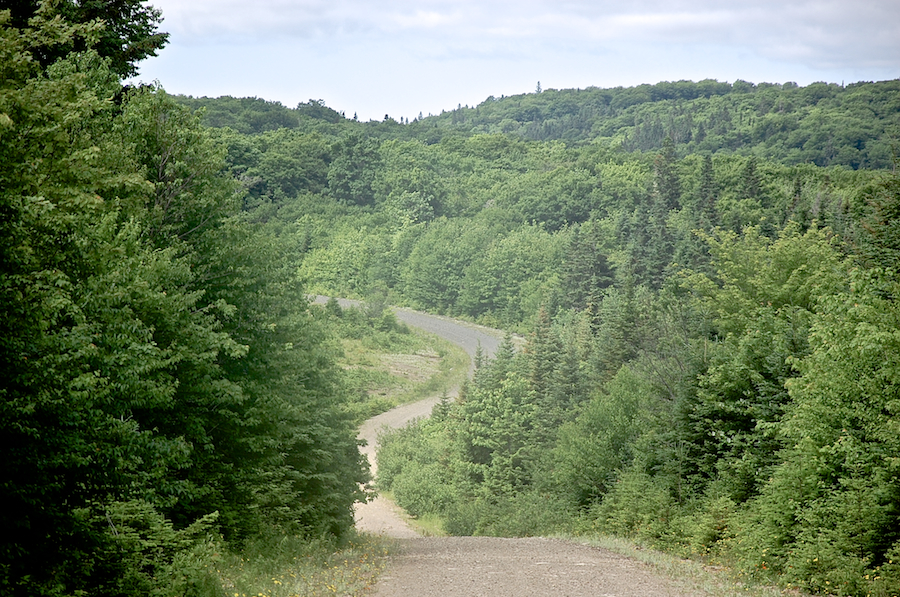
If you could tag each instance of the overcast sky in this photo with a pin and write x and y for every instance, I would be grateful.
(403, 57)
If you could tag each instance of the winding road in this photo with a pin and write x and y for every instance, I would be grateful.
(381, 516)
(489, 566)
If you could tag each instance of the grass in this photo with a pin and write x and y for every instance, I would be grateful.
(428, 525)
(290, 566)
(452, 369)
(381, 376)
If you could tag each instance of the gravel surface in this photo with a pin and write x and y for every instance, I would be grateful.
(488, 566)
(495, 567)
(381, 516)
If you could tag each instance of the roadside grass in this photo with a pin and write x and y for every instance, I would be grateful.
(691, 576)
(427, 525)
(382, 375)
(452, 369)
(291, 566)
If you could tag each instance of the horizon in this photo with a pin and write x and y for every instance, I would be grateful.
(401, 58)
(755, 84)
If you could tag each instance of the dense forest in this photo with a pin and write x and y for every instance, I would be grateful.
(706, 273)
(165, 389)
(823, 124)
(710, 303)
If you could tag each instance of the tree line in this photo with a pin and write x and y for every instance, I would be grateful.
(166, 391)
(826, 124)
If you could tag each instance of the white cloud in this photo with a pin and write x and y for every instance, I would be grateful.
(820, 33)
(379, 56)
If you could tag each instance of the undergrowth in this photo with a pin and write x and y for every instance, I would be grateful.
(386, 363)
(292, 566)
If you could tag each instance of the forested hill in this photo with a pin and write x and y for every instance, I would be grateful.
(708, 272)
(708, 277)
(823, 124)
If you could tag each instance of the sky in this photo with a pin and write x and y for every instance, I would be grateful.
(403, 58)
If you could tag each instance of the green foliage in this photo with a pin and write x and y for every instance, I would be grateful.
(352, 172)
(512, 277)
(157, 559)
(123, 32)
(836, 472)
(412, 464)
(881, 244)
(597, 447)
(163, 378)
(432, 275)
(824, 124)
(764, 295)
(246, 115)
(639, 507)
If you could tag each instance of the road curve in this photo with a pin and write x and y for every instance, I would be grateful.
(489, 566)
(380, 516)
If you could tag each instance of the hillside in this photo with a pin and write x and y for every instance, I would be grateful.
(707, 276)
(823, 124)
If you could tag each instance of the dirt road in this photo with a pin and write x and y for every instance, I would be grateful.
(496, 567)
(488, 566)
(381, 516)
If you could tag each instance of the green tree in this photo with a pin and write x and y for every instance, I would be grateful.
(352, 172)
(192, 191)
(128, 31)
(828, 517)
(586, 272)
(94, 323)
(152, 372)
(432, 276)
(882, 243)
(508, 281)
(763, 296)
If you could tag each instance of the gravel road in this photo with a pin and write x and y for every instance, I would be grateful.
(380, 516)
(488, 566)
(496, 567)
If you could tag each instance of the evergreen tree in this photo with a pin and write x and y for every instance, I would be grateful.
(667, 182)
(882, 241)
(708, 216)
(543, 355)
(585, 269)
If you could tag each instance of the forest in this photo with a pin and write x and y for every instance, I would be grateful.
(706, 273)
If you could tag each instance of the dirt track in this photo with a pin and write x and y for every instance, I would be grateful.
(381, 516)
(487, 566)
(495, 567)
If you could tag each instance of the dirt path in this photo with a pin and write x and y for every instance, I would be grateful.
(381, 516)
(488, 566)
(495, 567)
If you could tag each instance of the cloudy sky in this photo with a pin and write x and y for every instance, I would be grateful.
(403, 57)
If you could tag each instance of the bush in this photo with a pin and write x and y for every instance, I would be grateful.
(636, 507)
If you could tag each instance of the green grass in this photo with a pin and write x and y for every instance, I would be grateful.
(452, 369)
(428, 525)
(289, 566)
(380, 376)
